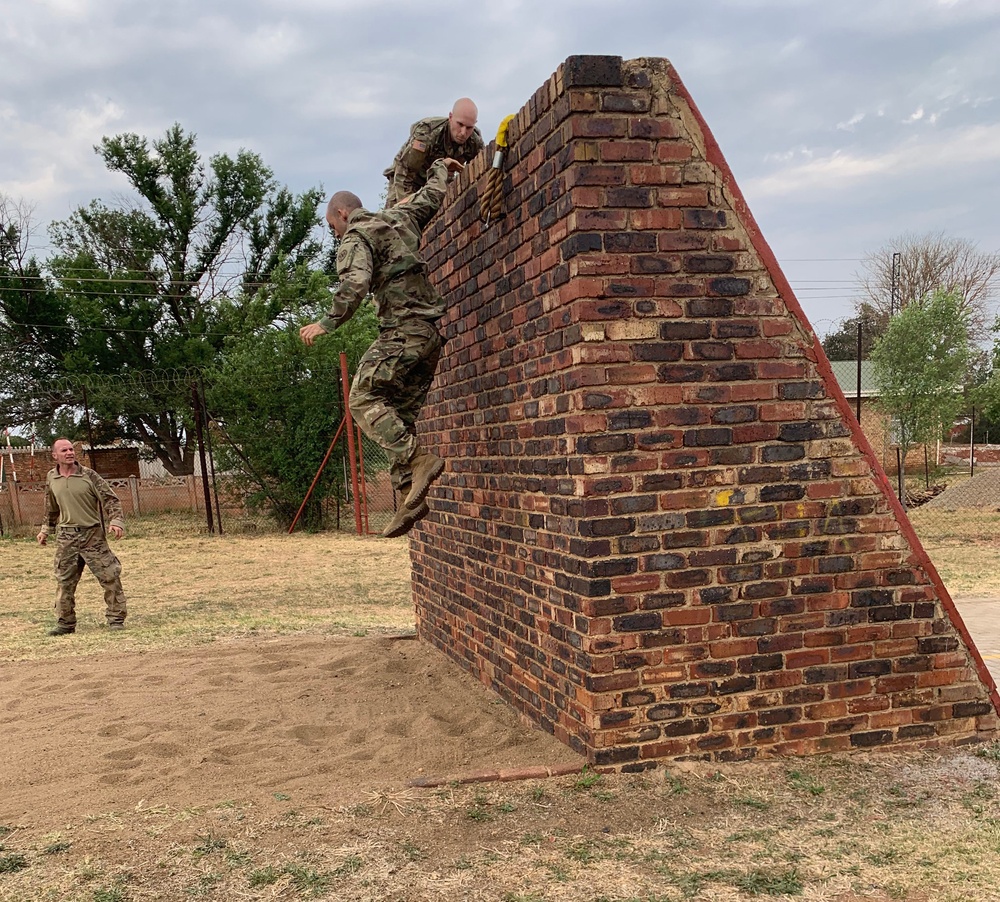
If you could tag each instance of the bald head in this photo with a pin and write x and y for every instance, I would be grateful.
(341, 206)
(462, 120)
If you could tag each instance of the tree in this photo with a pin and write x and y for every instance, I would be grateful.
(921, 365)
(843, 344)
(985, 394)
(928, 263)
(279, 402)
(31, 340)
(157, 282)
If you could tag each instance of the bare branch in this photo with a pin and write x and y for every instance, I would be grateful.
(929, 263)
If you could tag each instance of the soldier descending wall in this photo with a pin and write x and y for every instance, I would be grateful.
(660, 532)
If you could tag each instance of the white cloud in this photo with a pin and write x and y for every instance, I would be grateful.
(842, 171)
(848, 126)
(56, 156)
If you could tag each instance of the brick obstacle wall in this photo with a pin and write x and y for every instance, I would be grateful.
(660, 532)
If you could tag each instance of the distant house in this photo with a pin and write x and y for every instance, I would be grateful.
(875, 423)
(30, 464)
(846, 372)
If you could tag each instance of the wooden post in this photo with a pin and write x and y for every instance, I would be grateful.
(199, 434)
(15, 502)
(133, 487)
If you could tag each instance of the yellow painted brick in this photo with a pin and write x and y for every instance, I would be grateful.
(592, 332)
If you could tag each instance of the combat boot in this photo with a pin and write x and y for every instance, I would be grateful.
(403, 522)
(425, 468)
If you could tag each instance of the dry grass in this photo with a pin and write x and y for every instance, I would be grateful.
(185, 589)
(964, 546)
(882, 827)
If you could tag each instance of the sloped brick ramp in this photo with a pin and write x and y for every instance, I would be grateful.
(660, 533)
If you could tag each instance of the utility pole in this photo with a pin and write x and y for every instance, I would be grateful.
(894, 296)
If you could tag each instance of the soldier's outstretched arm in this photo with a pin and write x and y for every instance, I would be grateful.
(411, 160)
(427, 201)
(354, 269)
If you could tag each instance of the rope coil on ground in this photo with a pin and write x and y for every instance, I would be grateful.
(491, 203)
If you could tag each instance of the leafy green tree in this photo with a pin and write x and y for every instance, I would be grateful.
(985, 394)
(31, 317)
(279, 403)
(159, 281)
(843, 344)
(921, 366)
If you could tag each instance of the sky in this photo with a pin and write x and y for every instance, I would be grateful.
(846, 123)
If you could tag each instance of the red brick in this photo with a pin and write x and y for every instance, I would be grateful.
(621, 151)
(654, 175)
(669, 152)
(642, 219)
(563, 325)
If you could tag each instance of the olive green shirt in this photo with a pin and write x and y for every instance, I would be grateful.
(77, 500)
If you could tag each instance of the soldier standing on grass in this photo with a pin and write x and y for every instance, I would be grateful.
(454, 136)
(379, 252)
(77, 500)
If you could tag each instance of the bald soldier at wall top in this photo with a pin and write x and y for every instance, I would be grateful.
(454, 136)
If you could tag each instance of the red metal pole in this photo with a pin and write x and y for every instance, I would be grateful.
(351, 452)
(319, 473)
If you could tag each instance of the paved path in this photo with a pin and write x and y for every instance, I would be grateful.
(982, 617)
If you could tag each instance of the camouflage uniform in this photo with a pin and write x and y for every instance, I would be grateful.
(379, 253)
(81, 540)
(430, 140)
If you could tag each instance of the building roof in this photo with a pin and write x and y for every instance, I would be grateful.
(846, 372)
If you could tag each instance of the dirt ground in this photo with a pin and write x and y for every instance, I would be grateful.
(325, 719)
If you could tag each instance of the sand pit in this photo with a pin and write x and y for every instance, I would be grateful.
(328, 719)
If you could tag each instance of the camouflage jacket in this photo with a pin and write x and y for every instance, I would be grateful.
(106, 502)
(429, 140)
(380, 253)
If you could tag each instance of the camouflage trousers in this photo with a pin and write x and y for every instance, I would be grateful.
(74, 548)
(390, 387)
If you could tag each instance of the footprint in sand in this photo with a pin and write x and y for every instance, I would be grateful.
(95, 686)
(274, 666)
(239, 749)
(161, 749)
(121, 755)
(231, 726)
(310, 734)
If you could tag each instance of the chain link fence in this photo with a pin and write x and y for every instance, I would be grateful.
(224, 492)
(950, 488)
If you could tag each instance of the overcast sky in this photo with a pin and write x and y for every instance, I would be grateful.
(846, 123)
